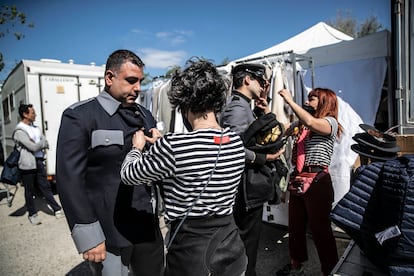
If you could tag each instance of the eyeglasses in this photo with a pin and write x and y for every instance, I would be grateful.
(262, 81)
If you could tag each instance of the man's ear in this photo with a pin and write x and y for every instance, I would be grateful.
(108, 77)
(247, 79)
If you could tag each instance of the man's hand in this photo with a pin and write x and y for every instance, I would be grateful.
(138, 140)
(96, 254)
(274, 156)
(155, 135)
(262, 104)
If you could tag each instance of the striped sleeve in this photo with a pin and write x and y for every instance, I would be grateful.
(144, 168)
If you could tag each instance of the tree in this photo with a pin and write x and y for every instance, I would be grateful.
(225, 61)
(10, 18)
(348, 25)
(171, 71)
(369, 26)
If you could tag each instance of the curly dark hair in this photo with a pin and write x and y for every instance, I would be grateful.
(198, 88)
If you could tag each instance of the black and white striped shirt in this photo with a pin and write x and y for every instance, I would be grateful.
(184, 162)
(319, 148)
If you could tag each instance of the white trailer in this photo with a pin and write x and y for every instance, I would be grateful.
(50, 86)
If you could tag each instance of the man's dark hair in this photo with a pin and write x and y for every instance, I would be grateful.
(238, 78)
(119, 57)
(198, 88)
(24, 108)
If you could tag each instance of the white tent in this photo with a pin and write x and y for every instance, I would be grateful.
(320, 34)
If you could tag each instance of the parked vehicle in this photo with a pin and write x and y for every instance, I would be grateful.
(50, 86)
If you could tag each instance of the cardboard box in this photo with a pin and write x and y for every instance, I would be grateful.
(406, 143)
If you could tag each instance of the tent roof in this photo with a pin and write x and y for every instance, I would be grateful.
(318, 35)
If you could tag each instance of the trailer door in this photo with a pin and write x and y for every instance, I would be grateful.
(57, 93)
(89, 87)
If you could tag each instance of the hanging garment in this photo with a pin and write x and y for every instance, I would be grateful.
(277, 101)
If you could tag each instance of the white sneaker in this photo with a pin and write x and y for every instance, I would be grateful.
(35, 220)
(59, 214)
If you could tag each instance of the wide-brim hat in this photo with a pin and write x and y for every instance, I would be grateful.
(386, 143)
(373, 153)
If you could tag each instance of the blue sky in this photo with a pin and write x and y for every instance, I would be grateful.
(166, 33)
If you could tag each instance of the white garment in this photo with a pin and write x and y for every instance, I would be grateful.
(34, 133)
(343, 157)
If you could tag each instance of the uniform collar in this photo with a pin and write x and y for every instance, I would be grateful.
(109, 104)
(238, 93)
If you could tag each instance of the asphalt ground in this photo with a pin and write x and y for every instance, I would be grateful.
(47, 249)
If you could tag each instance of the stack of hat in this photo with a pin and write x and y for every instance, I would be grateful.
(375, 144)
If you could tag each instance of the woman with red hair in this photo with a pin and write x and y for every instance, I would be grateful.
(317, 129)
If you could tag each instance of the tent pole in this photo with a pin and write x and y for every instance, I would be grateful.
(399, 88)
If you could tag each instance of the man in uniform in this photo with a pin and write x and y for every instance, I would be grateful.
(250, 82)
(114, 226)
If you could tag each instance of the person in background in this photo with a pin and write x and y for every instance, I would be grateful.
(200, 171)
(31, 143)
(115, 227)
(250, 82)
(320, 127)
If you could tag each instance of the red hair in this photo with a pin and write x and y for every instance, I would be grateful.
(327, 106)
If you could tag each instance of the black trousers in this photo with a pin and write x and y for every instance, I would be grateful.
(206, 246)
(313, 209)
(29, 178)
(250, 226)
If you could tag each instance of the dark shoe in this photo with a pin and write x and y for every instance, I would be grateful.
(287, 270)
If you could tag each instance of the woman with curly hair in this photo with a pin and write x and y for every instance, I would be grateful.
(312, 152)
(200, 171)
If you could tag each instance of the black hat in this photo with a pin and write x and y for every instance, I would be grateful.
(375, 144)
(259, 70)
(264, 135)
(372, 153)
(386, 143)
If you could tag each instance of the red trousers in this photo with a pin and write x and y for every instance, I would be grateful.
(313, 209)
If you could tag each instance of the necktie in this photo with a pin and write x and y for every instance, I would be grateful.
(300, 150)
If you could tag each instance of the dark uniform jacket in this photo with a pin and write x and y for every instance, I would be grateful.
(94, 137)
(256, 185)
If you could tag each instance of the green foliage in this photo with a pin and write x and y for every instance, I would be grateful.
(347, 24)
(369, 26)
(171, 71)
(10, 20)
(225, 61)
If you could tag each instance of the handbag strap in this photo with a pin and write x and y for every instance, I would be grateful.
(199, 195)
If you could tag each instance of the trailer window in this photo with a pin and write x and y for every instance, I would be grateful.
(6, 111)
(12, 105)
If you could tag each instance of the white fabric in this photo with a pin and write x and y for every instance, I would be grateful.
(277, 100)
(318, 35)
(343, 157)
(34, 134)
